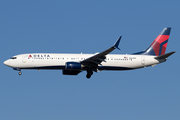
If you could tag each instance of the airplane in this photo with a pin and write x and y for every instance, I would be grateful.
(73, 64)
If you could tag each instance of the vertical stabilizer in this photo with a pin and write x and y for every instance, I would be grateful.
(158, 47)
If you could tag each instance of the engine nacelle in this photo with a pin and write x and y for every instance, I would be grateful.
(73, 66)
(71, 72)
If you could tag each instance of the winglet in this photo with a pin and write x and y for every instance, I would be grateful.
(117, 43)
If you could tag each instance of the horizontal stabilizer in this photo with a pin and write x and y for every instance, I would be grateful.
(165, 55)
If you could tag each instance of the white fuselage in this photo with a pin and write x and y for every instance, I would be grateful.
(73, 64)
(58, 61)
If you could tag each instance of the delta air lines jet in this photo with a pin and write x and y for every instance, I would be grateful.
(73, 64)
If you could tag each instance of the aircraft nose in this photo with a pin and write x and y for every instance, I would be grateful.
(7, 62)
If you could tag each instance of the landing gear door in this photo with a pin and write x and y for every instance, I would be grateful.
(143, 61)
(24, 58)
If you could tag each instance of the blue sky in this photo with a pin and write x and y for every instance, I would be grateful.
(88, 27)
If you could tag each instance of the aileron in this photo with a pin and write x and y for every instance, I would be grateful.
(102, 56)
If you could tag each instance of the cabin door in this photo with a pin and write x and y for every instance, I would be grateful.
(24, 58)
(143, 60)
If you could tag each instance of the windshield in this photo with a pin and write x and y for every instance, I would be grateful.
(13, 57)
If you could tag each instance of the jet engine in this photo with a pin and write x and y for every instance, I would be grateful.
(71, 72)
(73, 66)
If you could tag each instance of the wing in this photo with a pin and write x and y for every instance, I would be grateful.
(96, 60)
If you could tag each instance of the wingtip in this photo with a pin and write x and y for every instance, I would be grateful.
(117, 43)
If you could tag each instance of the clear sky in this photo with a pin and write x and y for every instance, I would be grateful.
(44, 26)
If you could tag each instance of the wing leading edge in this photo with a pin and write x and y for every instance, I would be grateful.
(96, 60)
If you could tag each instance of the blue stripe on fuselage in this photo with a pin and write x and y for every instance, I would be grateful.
(63, 67)
(113, 68)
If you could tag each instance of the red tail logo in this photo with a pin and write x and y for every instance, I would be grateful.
(159, 45)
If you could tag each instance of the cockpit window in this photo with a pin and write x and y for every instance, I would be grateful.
(13, 57)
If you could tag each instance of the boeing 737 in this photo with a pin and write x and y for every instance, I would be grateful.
(73, 64)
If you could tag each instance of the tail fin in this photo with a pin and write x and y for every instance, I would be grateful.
(158, 47)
